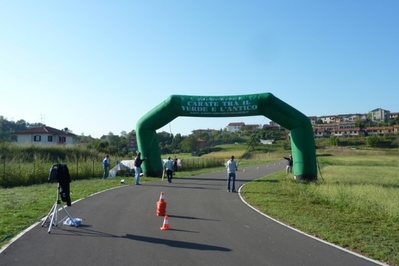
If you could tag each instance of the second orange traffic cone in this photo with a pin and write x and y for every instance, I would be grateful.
(165, 225)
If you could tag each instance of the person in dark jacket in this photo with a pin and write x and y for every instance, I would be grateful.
(137, 164)
(175, 165)
(290, 163)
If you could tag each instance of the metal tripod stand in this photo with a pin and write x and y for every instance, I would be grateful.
(53, 214)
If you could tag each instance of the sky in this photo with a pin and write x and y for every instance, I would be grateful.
(97, 67)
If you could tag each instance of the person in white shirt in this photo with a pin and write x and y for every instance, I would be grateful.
(168, 167)
(105, 166)
(231, 166)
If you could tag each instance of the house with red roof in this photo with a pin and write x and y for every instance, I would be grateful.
(234, 126)
(45, 135)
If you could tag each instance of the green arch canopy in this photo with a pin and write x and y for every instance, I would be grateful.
(302, 140)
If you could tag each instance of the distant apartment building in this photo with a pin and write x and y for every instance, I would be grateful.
(379, 131)
(327, 119)
(379, 115)
(341, 125)
(352, 117)
(394, 115)
(342, 118)
(346, 132)
(321, 132)
(313, 119)
(328, 126)
(339, 131)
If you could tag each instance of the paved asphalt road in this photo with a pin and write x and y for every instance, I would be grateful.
(209, 226)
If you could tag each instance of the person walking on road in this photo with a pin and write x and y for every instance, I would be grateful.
(168, 167)
(137, 167)
(105, 166)
(231, 166)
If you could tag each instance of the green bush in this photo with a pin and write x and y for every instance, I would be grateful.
(373, 141)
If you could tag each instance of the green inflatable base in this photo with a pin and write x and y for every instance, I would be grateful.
(308, 177)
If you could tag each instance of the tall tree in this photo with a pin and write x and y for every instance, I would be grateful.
(189, 144)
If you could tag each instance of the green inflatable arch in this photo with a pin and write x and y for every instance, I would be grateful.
(302, 141)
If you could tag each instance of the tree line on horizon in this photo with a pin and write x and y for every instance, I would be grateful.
(125, 143)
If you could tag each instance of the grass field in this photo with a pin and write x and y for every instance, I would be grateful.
(354, 204)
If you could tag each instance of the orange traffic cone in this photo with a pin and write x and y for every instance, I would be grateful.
(161, 206)
(165, 225)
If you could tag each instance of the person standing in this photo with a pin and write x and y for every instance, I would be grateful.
(231, 166)
(290, 163)
(175, 165)
(105, 166)
(168, 167)
(137, 167)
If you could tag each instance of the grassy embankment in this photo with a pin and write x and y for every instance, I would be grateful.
(353, 205)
